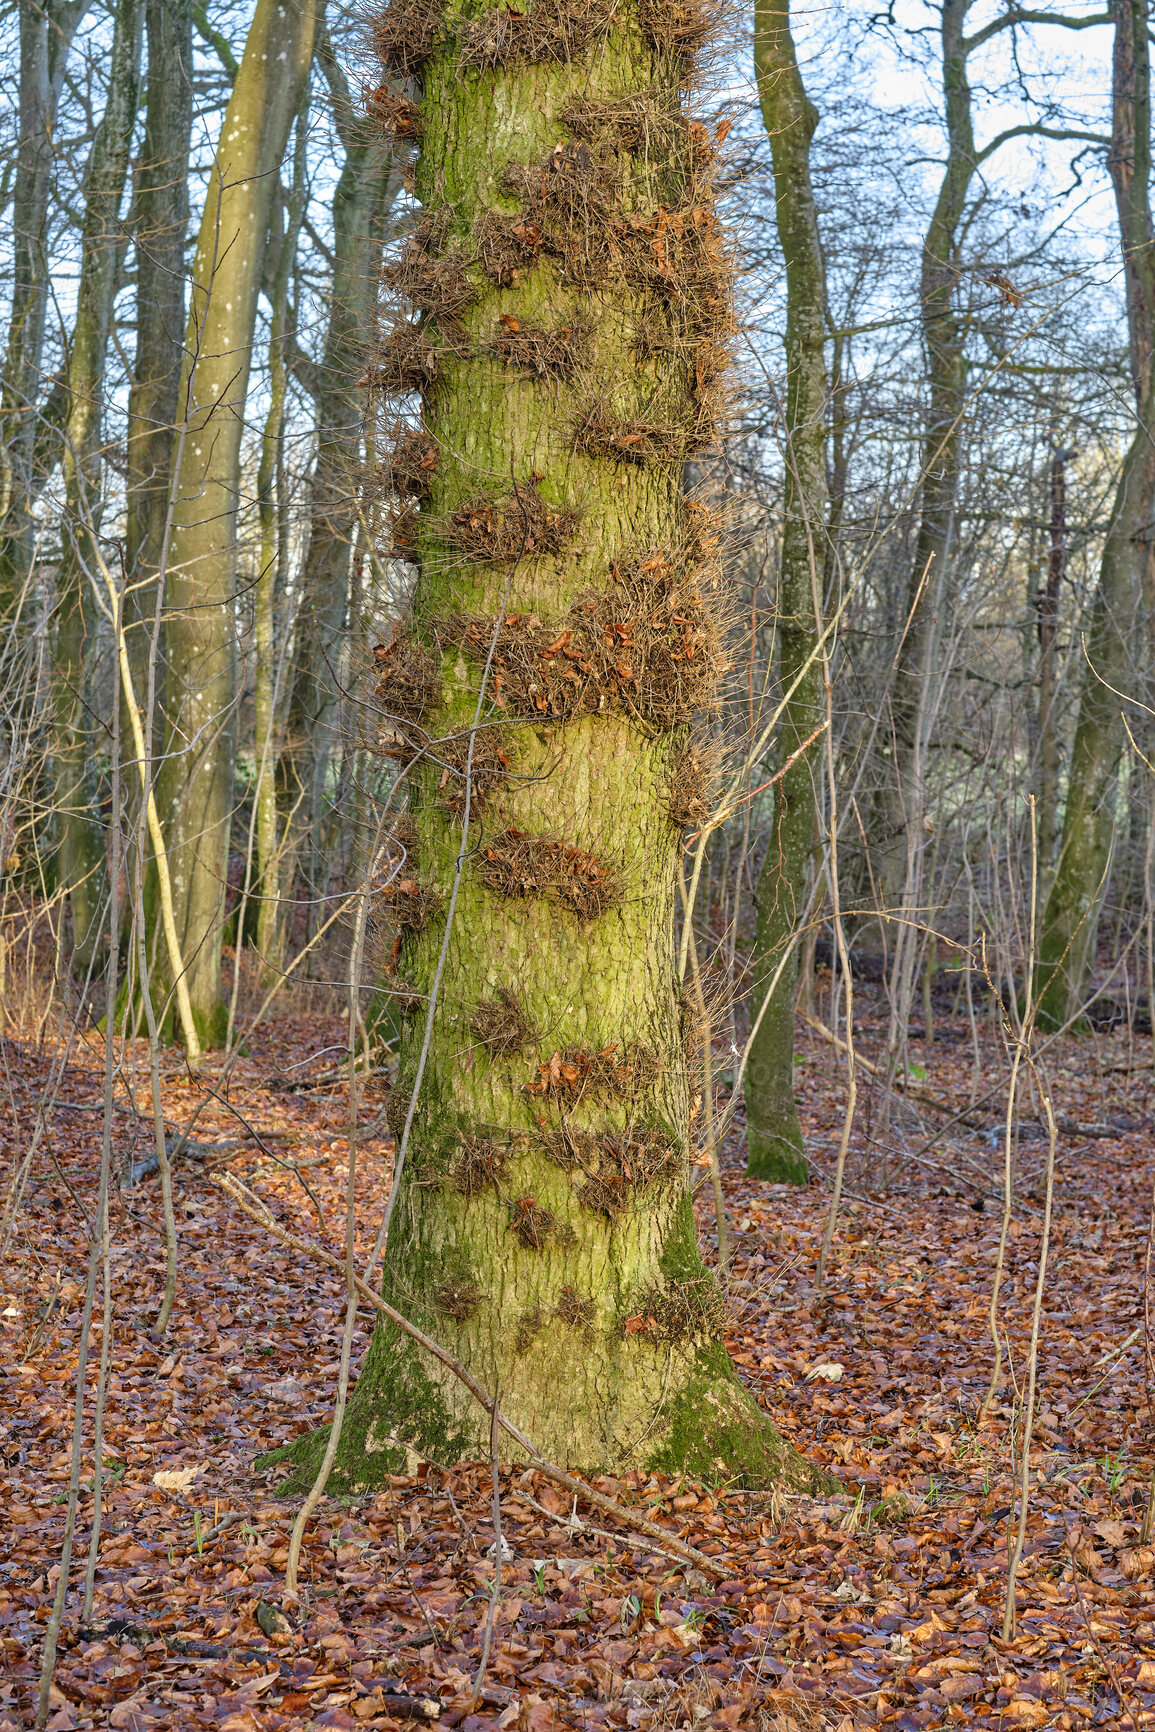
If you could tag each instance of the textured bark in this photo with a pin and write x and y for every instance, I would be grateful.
(160, 223)
(272, 574)
(944, 325)
(774, 1139)
(195, 790)
(364, 193)
(1116, 643)
(543, 1229)
(46, 33)
(82, 862)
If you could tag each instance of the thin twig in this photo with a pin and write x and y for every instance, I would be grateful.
(498, 1547)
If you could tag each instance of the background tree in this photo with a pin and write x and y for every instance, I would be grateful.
(195, 791)
(775, 1146)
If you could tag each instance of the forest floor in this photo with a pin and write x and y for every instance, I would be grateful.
(883, 1607)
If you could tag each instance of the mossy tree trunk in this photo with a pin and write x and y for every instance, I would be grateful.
(1117, 645)
(574, 290)
(195, 787)
(774, 1137)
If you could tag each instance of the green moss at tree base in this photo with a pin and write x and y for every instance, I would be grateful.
(715, 1431)
(778, 1156)
(396, 1415)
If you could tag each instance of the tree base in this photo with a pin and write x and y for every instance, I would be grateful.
(129, 1016)
(778, 1156)
(397, 1417)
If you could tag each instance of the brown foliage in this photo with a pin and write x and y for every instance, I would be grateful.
(545, 354)
(432, 281)
(619, 1165)
(678, 1313)
(405, 33)
(501, 1024)
(408, 469)
(681, 27)
(648, 645)
(536, 1226)
(572, 1308)
(406, 361)
(480, 1162)
(516, 864)
(692, 774)
(408, 682)
(488, 766)
(407, 903)
(547, 30)
(457, 1299)
(576, 1073)
(396, 116)
(646, 123)
(570, 213)
(632, 439)
(520, 524)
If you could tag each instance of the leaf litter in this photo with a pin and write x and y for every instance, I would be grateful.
(879, 1608)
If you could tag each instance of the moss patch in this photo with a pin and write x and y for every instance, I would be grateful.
(394, 1400)
(716, 1432)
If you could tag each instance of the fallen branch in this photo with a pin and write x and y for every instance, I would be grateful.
(251, 1205)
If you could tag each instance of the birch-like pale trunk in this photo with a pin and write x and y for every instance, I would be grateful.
(195, 788)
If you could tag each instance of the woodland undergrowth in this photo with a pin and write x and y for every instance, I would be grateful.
(882, 1607)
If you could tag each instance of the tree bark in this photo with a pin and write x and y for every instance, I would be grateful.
(46, 33)
(195, 790)
(365, 191)
(1115, 643)
(83, 865)
(944, 328)
(543, 1229)
(160, 224)
(272, 576)
(775, 1148)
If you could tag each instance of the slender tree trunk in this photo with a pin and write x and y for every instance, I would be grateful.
(365, 191)
(82, 853)
(902, 841)
(195, 791)
(1047, 605)
(543, 1228)
(1116, 644)
(160, 225)
(774, 1139)
(272, 576)
(46, 33)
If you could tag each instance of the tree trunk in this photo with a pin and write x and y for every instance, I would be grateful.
(160, 224)
(1116, 644)
(366, 189)
(1047, 606)
(46, 33)
(82, 856)
(775, 1147)
(272, 578)
(576, 301)
(903, 839)
(195, 790)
